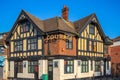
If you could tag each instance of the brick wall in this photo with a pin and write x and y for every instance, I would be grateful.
(114, 52)
(58, 47)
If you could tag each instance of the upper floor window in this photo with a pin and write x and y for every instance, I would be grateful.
(68, 66)
(25, 27)
(32, 44)
(18, 45)
(92, 29)
(69, 43)
(92, 45)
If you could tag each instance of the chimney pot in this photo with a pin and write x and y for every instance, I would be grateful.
(65, 13)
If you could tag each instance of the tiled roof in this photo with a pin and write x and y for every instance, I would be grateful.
(58, 23)
(116, 39)
(37, 21)
(52, 24)
(80, 23)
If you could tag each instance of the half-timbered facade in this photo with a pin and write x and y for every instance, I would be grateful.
(56, 48)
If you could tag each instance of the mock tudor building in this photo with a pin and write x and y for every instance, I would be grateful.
(56, 47)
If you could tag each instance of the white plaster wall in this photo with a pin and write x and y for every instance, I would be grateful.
(67, 76)
(11, 73)
(5, 69)
(108, 71)
(58, 73)
(43, 68)
(56, 70)
(25, 73)
(117, 43)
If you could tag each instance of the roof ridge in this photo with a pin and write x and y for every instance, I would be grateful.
(86, 17)
(31, 14)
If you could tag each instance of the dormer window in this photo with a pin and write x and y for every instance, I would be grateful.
(25, 27)
(92, 29)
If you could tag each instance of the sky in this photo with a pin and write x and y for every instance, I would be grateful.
(107, 11)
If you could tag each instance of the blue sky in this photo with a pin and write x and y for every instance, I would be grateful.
(107, 11)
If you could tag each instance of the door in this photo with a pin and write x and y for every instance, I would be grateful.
(15, 69)
(50, 69)
(36, 72)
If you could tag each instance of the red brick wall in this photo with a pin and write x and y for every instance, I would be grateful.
(114, 53)
(58, 47)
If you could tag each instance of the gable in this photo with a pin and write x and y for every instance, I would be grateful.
(85, 30)
(21, 31)
(16, 29)
(86, 33)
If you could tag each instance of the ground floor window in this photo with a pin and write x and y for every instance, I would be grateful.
(20, 67)
(84, 66)
(97, 66)
(68, 66)
(32, 66)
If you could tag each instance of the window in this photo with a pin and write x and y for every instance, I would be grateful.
(97, 66)
(92, 45)
(69, 43)
(25, 27)
(18, 46)
(32, 65)
(84, 66)
(20, 67)
(92, 30)
(32, 44)
(68, 66)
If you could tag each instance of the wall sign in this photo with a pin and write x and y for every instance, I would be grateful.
(57, 37)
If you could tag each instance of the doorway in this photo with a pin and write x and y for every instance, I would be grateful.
(50, 69)
(15, 69)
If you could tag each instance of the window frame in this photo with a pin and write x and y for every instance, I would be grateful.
(20, 67)
(69, 43)
(92, 29)
(32, 42)
(68, 64)
(31, 66)
(97, 66)
(84, 66)
(18, 45)
(25, 27)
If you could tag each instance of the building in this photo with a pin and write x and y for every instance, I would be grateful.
(114, 52)
(56, 47)
(3, 56)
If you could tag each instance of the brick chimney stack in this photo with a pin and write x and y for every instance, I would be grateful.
(65, 13)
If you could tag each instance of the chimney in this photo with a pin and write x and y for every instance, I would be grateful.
(65, 13)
